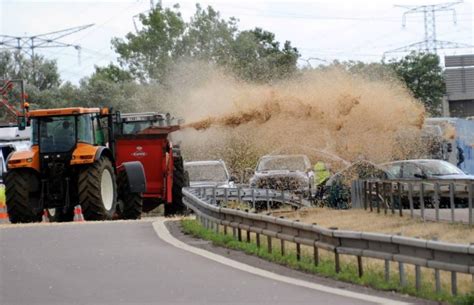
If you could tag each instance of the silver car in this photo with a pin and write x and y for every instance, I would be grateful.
(284, 172)
(212, 173)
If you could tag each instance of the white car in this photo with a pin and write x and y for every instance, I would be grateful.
(211, 173)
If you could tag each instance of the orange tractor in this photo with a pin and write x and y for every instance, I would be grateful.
(105, 162)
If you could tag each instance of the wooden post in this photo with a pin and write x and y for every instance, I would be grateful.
(316, 255)
(269, 244)
(298, 252)
(360, 266)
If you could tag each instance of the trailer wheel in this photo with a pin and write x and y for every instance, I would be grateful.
(180, 180)
(132, 203)
(97, 190)
(21, 190)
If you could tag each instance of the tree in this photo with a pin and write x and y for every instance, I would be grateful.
(423, 75)
(166, 39)
(111, 73)
(149, 53)
(37, 71)
(258, 56)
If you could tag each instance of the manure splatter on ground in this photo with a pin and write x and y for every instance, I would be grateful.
(329, 115)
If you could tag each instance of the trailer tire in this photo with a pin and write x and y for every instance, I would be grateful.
(180, 180)
(20, 192)
(132, 203)
(97, 190)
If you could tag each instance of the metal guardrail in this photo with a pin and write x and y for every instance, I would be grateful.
(455, 258)
(403, 194)
(253, 197)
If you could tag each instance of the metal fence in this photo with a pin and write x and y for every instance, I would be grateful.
(449, 200)
(436, 255)
(253, 197)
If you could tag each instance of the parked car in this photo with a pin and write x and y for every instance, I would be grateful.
(424, 169)
(211, 173)
(284, 172)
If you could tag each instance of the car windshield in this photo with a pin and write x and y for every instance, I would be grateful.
(56, 134)
(439, 168)
(291, 163)
(206, 172)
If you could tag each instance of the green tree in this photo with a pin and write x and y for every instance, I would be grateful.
(112, 73)
(165, 38)
(423, 75)
(149, 53)
(37, 71)
(258, 56)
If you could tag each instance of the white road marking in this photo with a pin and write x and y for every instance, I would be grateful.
(164, 234)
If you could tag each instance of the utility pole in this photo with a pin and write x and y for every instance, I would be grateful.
(430, 44)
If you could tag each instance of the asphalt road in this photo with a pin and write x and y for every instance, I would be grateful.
(127, 263)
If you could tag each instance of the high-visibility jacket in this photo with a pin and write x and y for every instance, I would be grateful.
(320, 173)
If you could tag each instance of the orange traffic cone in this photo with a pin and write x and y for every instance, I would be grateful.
(78, 213)
(45, 217)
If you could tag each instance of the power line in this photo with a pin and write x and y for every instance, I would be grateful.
(28, 44)
(430, 44)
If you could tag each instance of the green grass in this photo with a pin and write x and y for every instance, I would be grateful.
(373, 277)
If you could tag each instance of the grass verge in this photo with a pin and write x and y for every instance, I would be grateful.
(372, 277)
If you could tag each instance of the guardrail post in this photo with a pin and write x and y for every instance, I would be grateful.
(422, 200)
(377, 198)
(437, 281)
(470, 202)
(239, 234)
(417, 277)
(316, 255)
(282, 246)
(298, 251)
(452, 190)
(454, 283)
(387, 270)
(225, 230)
(400, 206)
(269, 244)
(360, 266)
(248, 236)
(401, 271)
(436, 200)
(257, 237)
(410, 198)
(336, 255)
(214, 196)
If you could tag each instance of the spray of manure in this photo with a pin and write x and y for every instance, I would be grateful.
(329, 115)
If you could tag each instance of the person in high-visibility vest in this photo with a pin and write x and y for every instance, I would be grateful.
(321, 173)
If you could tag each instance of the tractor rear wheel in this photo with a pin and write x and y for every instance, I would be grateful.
(97, 190)
(180, 180)
(21, 194)
(132, 203)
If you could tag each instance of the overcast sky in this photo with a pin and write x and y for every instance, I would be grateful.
(323, 29)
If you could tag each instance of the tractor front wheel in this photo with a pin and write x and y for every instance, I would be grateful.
(97, 190)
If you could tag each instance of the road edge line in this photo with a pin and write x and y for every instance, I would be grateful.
(163, 233)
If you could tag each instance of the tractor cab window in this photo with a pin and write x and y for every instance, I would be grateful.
(84, 129)
(135, 127)
(57, 134)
